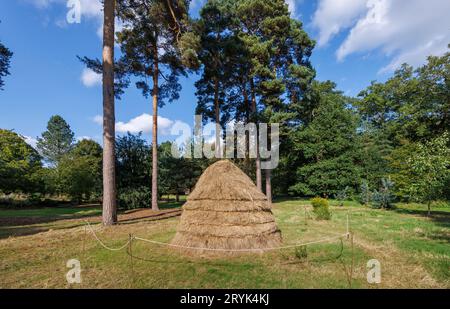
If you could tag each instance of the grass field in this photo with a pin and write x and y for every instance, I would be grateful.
(414, 250)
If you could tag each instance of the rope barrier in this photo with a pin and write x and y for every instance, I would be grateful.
(131, 238)
(105, 246)
(241, 250)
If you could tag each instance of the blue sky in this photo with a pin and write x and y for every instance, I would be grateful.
(358, 41)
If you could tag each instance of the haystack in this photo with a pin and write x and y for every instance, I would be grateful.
(227, 211)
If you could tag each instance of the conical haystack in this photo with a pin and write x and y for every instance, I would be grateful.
(227, 211)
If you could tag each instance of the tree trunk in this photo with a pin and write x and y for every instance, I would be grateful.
(155, 132)
(429, 208)
(247, 134)
(269, 185)
(109, 172)
(217, 114)
(258, 160)
(177, 197)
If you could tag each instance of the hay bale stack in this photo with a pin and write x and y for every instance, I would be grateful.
(227, 211)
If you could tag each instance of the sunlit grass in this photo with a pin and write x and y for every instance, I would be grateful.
(413, 251)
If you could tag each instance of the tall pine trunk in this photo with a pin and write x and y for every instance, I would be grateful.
(268, 172)
(247, 162)
(155, 131)
(109, 172)
(269, 185)
(217, 115)
(255, 119)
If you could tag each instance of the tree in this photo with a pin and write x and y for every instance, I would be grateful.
(149, 45)
(19, 163)
(328, 146)
(5, 61)
(133, 164)
(216, 57)
(178, 175)
(109, 134)
(56, 141)
(412, 105)
(79, 171)
(430, 165)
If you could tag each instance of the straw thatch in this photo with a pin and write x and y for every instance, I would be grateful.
(227, 211)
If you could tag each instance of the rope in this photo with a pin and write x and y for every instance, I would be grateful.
(241, 250)
(105, 246)
(131, 238)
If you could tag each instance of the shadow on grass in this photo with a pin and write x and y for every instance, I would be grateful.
(441, 218)
(22, 223)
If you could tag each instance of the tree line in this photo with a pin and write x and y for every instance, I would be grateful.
(64, 169)
(388, 143)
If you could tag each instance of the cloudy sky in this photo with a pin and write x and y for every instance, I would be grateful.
(357, 41)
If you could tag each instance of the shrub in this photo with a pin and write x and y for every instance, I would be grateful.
(132, 198)
(365, 196)
(321, 208)
(384, 198)
(342, 195)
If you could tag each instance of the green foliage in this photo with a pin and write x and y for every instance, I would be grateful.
(321, 208)
(56, 141)
(342, 195)
(19, 164)
(328, 147)
(383, 198)
(133, 162)
(177, 175)
(411, 105)
(5, 61)
(430, 165)
(365, 195)
(301, 253)
(79, 171)
(134, 197)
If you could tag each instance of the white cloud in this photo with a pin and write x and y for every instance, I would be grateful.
(333, 16)
(89, 8)
(403, 32)
(82, 138)
(30, 141)
(292, 4)
(90, 79)
(98, 119)
(144, 123)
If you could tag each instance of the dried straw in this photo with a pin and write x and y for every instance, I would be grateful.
(227, 211)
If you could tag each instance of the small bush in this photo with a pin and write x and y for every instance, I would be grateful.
(365, 195)
(132, 198)
(383, 199)
(301, 253)
(342, 195)
(321, 208)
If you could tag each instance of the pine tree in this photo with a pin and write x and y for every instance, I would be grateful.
(149, 44)
(56, 141)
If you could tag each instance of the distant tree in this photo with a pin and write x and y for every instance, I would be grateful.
(178, 175)
(5, 61)
(365, 194)
(150, 51)
(431, 166)
(19, 163)
(133, 161)
(56, 141)
(383, 197)
(328, 146)
(133, 165)
(413, 104)
(79, 171)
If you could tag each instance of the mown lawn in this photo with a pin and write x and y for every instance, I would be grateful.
(413, 250)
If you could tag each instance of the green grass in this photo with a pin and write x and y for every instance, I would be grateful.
(51, 212)
(413, 250)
